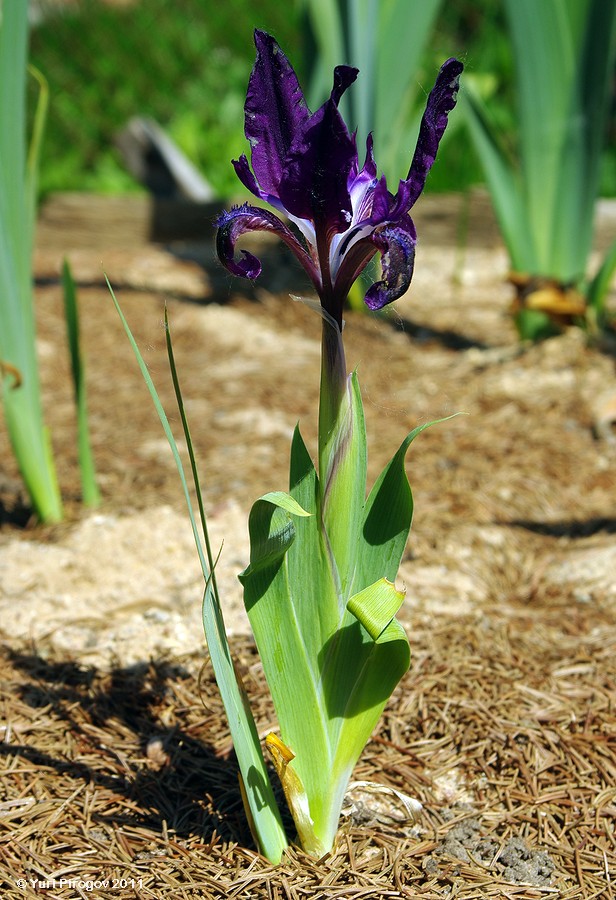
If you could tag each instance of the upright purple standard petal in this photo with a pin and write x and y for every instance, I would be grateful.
(275, 112)
(314, 185)
(441, 101)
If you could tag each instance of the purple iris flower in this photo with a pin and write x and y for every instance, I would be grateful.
(306, 166)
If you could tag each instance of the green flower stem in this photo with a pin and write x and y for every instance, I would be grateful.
(333, 396)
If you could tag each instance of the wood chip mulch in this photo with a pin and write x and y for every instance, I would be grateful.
(123, 783)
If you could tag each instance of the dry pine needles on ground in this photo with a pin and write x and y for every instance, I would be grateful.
(505, 728)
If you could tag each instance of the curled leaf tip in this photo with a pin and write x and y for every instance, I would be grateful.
(278, 748)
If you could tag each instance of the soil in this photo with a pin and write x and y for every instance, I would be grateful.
(116, 752)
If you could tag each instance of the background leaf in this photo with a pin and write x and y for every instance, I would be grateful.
(22, 404)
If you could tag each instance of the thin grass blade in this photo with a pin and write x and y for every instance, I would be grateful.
(36, 141)
(269, 831)
(91, 493)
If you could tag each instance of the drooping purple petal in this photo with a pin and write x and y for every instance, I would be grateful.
(275, 112)
(441, 101)
(396, 243)
(233, 224)
(314, 184)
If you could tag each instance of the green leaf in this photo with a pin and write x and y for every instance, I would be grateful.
(404, 29)
(598, 289)
(325, 23)
(271, 530)
(309, 562)
(266, 820)
(344, 486)
(280, 607)
(387, 520)
(503, 180)
(91, 494)
(362, 664)
(36, 141)
(375, 606)
(331, 667)
(544, 197)
(22, 404)
(385, 40)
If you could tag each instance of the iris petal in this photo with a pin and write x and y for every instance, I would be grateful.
(441, 101)
(275, 112)
(314, 185)
(244, 173)
(396, 244)
(241, 219)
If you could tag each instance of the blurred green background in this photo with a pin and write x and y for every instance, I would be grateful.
(186, 64)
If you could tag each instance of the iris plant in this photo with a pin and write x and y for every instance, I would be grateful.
(319, 589)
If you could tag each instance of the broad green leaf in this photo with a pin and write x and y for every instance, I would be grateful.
(330, 667)
(360, 674)
(343, 486)
(358, 678)
(273, 601)
(309, 563)
(387, 520)
(271, 530)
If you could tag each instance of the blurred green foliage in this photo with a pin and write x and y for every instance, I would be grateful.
(186, 64)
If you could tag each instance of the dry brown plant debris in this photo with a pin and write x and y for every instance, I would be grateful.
(505, 730)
